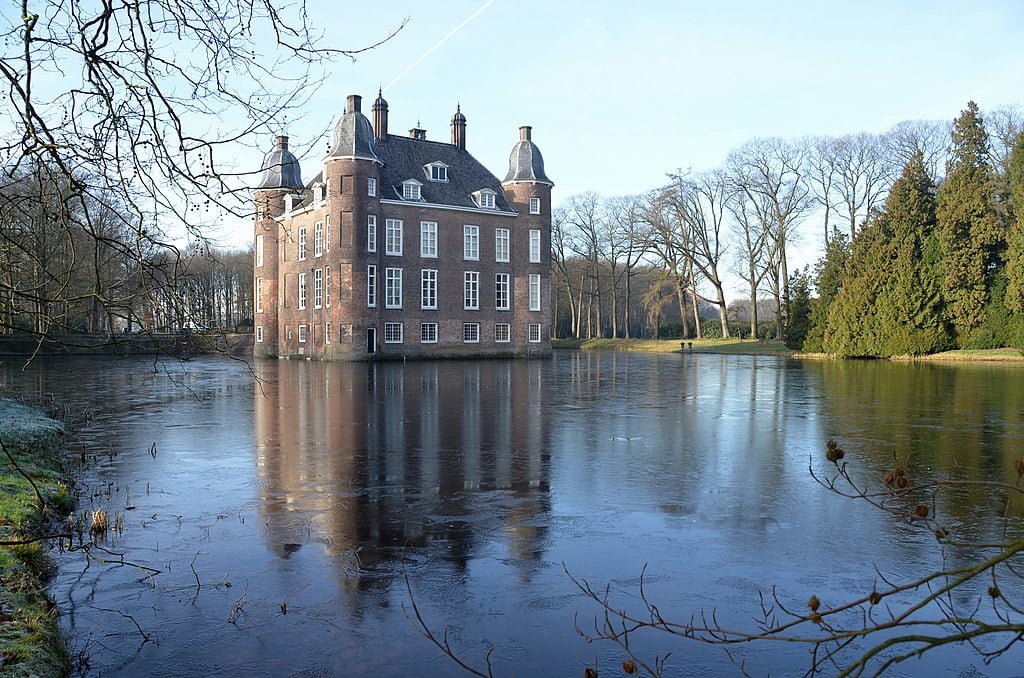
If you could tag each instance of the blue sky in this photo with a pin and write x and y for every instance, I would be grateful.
(620, 93)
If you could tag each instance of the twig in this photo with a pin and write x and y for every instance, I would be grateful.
(17, 467)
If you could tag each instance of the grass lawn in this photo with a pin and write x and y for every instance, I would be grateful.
(30, 643)
(733, 346)
(973, 355)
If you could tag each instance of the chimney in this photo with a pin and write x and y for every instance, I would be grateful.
(355, 104)
(380, 117)
(459, 129)
(418, 132)
(524, 133)
(282, 143)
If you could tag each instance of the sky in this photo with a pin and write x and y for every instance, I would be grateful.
(621, 93)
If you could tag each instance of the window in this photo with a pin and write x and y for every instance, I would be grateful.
(259, 250)
(501, 292)
(535, 246)
(501, 247)
(437, 172)
(371, 286)
(392, 333)
(393, 237)
(471, 242)
(485, 199)
(302, 243)
(428, 238)
(327, 333)
(534, 205)
(318, 239)
(371, 187)
(259, 333)
(428, 289)
(327, 233)
(502, 333)
(392, 288)
(411, 190)
(318, 287)
(472, 291)
(318, 193)
(534, 292)
(259, 295)
(471, 333)
(534, 333)
(371, 232)
(302, 291)
(327, 286)
(428, 333)
(302, 334)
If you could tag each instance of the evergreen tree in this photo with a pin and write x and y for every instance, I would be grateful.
(968, 227)
(798, 310)
(828, 280)
(1015, 238)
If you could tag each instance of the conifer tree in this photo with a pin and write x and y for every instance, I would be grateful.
(967, 224)
(1015, 237)
(828, 280)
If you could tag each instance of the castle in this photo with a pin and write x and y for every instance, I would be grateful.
(402, 247)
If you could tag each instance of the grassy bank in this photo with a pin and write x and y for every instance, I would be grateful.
(732, 346)
(30, 643)
(991, 355)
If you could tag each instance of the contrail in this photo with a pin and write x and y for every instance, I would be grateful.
(439, 43)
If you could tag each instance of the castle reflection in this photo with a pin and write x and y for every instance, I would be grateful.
(381, 462)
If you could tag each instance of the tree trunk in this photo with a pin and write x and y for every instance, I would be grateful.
(629, 279)
(681, 301)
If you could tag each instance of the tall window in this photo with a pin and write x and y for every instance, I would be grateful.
(428, 289)
(327, 333)
(318, 287)
(259, 250)
(302, 334)
(534, 292)
(534, 205)
(472, 290)
(428, 333)
(392, 333)
(318, 239)
(471, 333)
(471, 242)
(259, 333)
(371, 187)
(428, 238)
(535, 247)
(371, 286)
(327, 233)
(302, 243)
(259, 295)
(501, 244)
(392, 288)
(327, 286)
(534, 333)
(393, 237)
(502, 333)
(501, 292)
(302, 291)
(371, 232)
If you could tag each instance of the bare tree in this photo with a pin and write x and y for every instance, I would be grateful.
(1003, 124)
(864, 173)
(822, 157)
(929, 137)
(584, 216)
(668, 242)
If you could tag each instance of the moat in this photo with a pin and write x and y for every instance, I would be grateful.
(287, 507)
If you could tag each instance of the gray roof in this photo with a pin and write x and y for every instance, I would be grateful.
(280, 168)
(353, 137)
(526, 164)
(405, 157)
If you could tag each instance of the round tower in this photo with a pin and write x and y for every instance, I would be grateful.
(280, 176)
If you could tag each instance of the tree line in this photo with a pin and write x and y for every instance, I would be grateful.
(623, 263)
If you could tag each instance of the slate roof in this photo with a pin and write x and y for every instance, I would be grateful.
(280, 169)
(526, 163)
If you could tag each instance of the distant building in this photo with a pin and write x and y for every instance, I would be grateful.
(402, 247)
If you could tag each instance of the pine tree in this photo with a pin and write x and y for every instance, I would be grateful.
(967, 224)
(1015, 238)
(828, 280)
(798, 310)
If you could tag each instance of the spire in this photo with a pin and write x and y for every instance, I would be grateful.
(459, 128)
(380, 116)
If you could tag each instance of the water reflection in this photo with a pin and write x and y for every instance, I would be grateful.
(375, 461)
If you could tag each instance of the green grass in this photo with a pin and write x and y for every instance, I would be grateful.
(975, 355)
(30, 642)
(728, 346)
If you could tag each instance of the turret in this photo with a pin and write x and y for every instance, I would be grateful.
(380, 117)
(459, 129)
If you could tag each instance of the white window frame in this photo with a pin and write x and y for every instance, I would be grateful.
(437, 171)
(428, 239)
(412, 190)
(533, 331)
(502, 245)
(371, 286)
(428, 333)
(318, 288)
(327, 333)
(534, 246)
(471, 333)
(259, 250)
(302, 243)
(302, 291)
(502, 333)
(258, 286)
(371, 187)
(502, 291)
(259, 334)
(327, 233)
(318, 239)
(302, 334)
(390, 336)
(535, 291)
(393, 237)
(471, 290)
(487, 199)
(327, 286)
(534, 205)
(470, 242)
(392, 287)
(371, 232)
(428, 289)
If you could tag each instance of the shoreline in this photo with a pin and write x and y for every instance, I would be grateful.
(30, 640)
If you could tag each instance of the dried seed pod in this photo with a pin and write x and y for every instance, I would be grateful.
(813, 603)
(888, 478)
(921, 511)
(875, 598)
(629, 667)
(816, 618)
(901, 482)
(994, 591)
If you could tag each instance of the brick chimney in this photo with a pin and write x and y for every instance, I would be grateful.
(524, 133)
(355, 104)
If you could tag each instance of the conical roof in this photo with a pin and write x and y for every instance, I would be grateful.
(353, 135)
(525, 162)
(280, 168)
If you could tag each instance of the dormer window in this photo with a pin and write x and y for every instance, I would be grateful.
(437, 171)
(485, 199)
(411, 190)
(318, 193)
